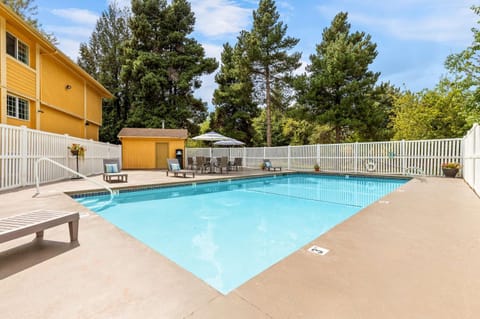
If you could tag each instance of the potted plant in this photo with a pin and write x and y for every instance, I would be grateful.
(262, 166)
(77, 149)
(316, 167)
(450, 169)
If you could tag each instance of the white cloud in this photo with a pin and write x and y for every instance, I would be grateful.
(205, 92)
(445, 28)
(71, 31)
(213, 51)
(80, 16)
(219, 17)
(69, 47)
(302, 68)
(427, 20)
(120, 3)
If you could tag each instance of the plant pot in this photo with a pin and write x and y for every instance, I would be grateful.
(450, 172)
(317, 169)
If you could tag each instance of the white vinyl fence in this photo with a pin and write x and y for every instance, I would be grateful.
(20, 147)
(395, 157)
(471, 158)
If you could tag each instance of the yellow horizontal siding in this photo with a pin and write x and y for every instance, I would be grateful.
(54, 78)
(92, 131)
(20, 79)
(54, 121)
(139, 153)
(94, 105)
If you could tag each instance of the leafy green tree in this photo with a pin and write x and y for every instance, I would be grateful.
(164, 66)
(465, 66)
(259, 124)
(430, 114)
(269, 54)
(233, 98)
(296, 131)
(103, 57)
(28, 11)
(339, 90)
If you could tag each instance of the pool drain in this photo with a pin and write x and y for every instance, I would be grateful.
(318, 250)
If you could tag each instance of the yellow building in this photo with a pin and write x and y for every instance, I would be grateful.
(40, 87)
(149, 148)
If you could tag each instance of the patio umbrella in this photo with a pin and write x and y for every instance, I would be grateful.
(229, 142)
(210, 136)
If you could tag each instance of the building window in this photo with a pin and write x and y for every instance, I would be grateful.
(18, 108)
(17, 49)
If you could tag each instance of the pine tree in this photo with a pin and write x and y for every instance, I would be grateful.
(268, 51)
(340, 89)
(233, 97)
(164, 66)
(102, 57)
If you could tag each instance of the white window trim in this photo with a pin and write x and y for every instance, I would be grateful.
(17, 111)
(16, 50)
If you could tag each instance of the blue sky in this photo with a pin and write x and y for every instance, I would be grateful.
(413, 37)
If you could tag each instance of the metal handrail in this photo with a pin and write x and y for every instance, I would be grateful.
(37, 179)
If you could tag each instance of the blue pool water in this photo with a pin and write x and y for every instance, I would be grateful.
(227, 232)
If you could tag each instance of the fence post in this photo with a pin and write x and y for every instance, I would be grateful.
(355, 157)
(318, 155)
(403, 157)
(67, 163)
(23, 155)
(244, 155)
(288, 156)
(474, 156)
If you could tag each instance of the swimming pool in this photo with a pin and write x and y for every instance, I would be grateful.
(227, 232)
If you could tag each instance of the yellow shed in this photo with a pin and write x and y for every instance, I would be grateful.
(149, 148)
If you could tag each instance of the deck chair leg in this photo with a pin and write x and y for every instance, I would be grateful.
(73, 229)
(39, 234)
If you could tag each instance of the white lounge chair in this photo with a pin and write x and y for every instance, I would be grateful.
(111, 171)
(174, 167)
(36, 222)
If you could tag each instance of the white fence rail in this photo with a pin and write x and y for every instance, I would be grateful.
(395, 157)
(20, 147)
(471, 158)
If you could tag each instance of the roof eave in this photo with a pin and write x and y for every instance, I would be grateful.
(11, 15)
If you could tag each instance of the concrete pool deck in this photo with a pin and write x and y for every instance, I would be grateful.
(413, 254)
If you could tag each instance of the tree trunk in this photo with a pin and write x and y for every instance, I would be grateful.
(267, 109)
(338, 134)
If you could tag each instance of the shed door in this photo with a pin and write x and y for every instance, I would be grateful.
(161, 155)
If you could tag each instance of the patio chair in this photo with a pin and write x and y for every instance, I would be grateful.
(200, 163)
(111, 171)
(174, 167)
(237, 162)
(269, 166)
(190, 164)
(222, 162)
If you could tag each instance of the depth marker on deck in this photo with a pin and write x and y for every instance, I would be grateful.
(318, 250)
